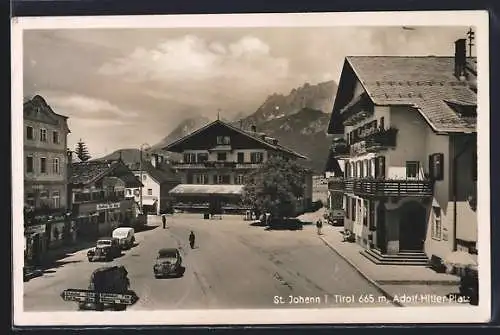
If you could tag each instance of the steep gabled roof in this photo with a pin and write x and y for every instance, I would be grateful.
(420, 82)
(91, 171)
(85, 173)
(38, 104)
(163, 173)
(254, 136)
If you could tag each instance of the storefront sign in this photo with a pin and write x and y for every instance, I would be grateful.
(38, 229)
(108, 206)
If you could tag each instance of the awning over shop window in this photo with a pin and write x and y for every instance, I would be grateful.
(148, 202)
(196, 189)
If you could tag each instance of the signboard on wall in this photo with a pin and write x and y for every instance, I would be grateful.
(114, 205)
(38, 229)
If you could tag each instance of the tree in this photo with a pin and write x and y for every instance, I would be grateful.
(275, 187)
(81, 151)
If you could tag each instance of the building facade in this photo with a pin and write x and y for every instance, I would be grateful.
(407, 130)
(216, 160)
(45, 134)
(98, 197)
(158, 179)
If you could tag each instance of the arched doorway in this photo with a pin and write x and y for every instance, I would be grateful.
(412, 226)
(381, 229)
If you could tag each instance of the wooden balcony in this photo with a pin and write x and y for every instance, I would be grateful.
(390, 188)
(374, 141)
(381, 140)
(336, 184)
(215, 165)
(340, 150)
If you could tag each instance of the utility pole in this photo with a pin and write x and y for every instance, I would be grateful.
(144, 145)
(471, 37)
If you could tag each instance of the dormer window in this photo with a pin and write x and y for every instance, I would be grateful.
(463, 109)
(223, 140)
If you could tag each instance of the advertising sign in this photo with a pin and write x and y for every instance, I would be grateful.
(101, 207)
(89, 296)
(38, 229)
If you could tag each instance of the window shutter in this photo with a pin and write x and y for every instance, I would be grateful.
(380, 167)
(437, 166)
(431, 170)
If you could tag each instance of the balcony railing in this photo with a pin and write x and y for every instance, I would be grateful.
(340, 150)
(378, 140)
(216, 165)
(336, 184)
(382, 187)
(381, 140)
(98, 196)
(390, 188)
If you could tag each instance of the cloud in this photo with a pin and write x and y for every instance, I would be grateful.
(77, 104)
(191, 58)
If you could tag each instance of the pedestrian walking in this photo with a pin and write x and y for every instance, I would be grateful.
(191, 239)
(164, 220)
(319, 225)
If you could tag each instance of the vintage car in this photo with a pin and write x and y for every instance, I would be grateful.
(469, 285)
(107, 248)
(109, 279)
(335, 217)
(168, 263)
(125, 236)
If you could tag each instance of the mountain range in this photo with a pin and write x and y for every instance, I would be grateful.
(299, 120)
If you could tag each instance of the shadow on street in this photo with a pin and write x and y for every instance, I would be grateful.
(49, 267)
(284, 224)
(145, 228)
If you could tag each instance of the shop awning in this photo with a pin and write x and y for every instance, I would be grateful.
(196, 189)
(148, 202)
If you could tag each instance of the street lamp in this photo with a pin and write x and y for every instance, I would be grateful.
(142, 147)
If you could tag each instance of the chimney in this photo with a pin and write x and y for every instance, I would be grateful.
(254, 128)
(460, 58)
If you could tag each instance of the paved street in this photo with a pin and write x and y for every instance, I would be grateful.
(235, 265)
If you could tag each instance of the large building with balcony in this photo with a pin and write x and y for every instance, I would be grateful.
(45, 177)
(216, 159)
(405, 128)
(98, 197)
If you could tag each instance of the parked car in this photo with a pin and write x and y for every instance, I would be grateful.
(107, 248)
(168, 263)
(125, 236)
(335, 217)
(109, 279)
(469, 285)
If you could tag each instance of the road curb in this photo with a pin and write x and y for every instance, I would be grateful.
(386, 294)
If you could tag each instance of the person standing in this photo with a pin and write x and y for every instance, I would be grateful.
(164, 220)
(319, 225)
(191, 239)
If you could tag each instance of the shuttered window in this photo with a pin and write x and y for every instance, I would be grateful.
(380, 167)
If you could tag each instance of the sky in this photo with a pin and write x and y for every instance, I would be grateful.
(122, 88)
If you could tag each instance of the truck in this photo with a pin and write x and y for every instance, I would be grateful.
(109, 288)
